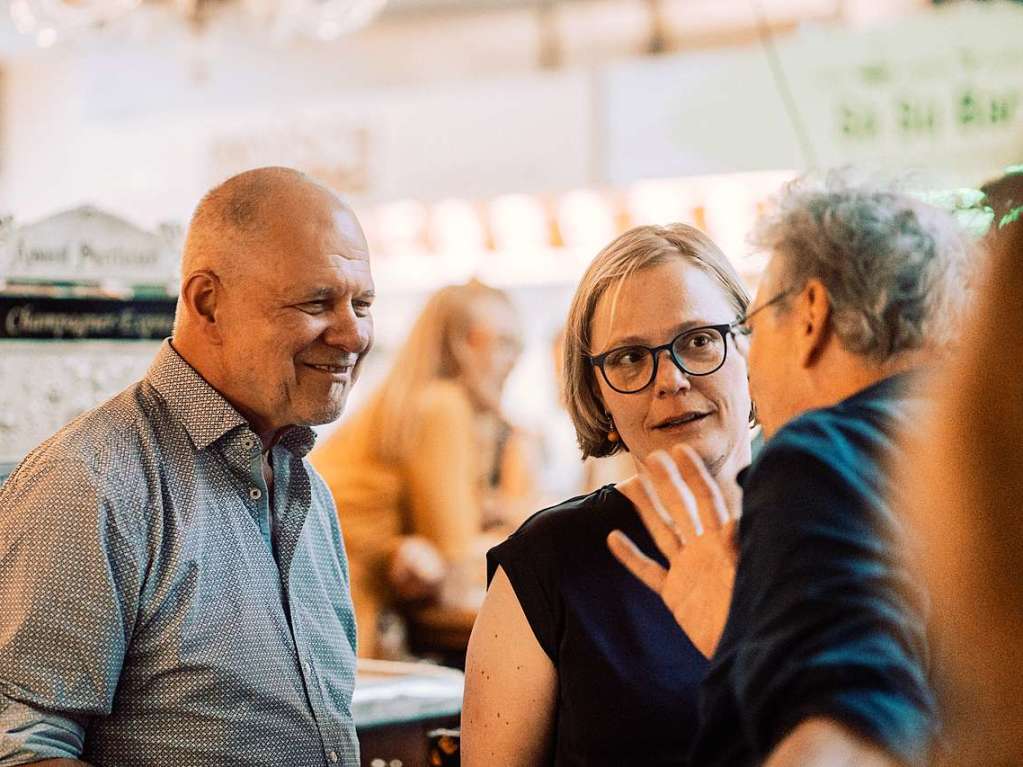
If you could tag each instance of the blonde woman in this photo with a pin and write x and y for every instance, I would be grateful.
(429, 463)
(572, 661)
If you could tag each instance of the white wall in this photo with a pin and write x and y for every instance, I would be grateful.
(429, 108)
(134, 130)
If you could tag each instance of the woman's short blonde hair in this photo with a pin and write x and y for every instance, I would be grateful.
(637, 249)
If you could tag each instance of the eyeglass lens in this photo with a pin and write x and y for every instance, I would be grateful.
(632, 368)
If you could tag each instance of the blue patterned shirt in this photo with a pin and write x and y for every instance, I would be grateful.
(157, 607)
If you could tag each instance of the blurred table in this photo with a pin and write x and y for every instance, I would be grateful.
(442, 632)
(396, 704)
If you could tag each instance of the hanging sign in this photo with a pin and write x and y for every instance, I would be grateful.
(38, 317)
(88, 246)
(939, 91)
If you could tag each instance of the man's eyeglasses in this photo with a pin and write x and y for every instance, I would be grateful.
(696, 352)
(741, 325)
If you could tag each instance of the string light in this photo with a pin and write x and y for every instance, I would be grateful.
(49, 21)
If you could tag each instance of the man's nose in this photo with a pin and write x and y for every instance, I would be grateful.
(349, 332)
(670, 378)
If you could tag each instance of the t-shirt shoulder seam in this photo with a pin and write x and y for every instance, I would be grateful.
(552, 516)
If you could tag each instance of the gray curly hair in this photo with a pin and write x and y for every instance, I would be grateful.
(897, 270)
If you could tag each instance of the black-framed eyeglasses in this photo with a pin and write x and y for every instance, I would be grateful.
(741, 325)
(696, 352)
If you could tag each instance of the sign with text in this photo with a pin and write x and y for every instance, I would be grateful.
(86, 245)
(939, 91)
(332, 149)
(470, 139)
(36, 317)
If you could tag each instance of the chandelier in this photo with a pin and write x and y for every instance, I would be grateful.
(49, 21)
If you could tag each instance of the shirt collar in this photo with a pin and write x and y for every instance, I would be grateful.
(202, 410)
(895, 386)
(299, 440)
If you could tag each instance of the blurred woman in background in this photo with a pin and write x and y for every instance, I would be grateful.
(572, 660)
(429, 472)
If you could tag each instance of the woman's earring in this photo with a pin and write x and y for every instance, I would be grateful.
(752, 413)
(612, 434)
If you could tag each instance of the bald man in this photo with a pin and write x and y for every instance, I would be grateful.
(173, 587)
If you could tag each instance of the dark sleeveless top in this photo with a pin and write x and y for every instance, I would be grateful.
(628, 675)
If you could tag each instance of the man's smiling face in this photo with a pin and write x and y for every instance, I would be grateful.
(297, 321)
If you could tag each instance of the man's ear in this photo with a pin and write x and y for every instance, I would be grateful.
(466, 345)
(813, 313)
(202, 294)
(475, 336)
(461, 351)
(741, 344)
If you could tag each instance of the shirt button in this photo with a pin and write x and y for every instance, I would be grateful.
(333, 756)
(307, 667)
(255, 493)
(248, 443)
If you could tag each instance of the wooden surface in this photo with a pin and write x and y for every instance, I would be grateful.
(405, 743)
(441, 629)
(397, 704)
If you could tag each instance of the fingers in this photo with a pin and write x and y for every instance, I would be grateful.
(652, 514)
(677, 498)
(636, 562)
(678, 501)
(709, 500)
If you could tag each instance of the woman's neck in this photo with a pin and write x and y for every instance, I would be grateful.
(726, 477)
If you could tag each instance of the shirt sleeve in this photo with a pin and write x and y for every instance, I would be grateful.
(837, 628)
(529, 560)
(32, 734)
(70, 574)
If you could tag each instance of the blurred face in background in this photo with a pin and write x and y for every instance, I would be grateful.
(709, 412)
(491, 347)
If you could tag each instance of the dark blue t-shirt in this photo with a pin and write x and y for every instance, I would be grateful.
(628, 675)
(825, 619)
